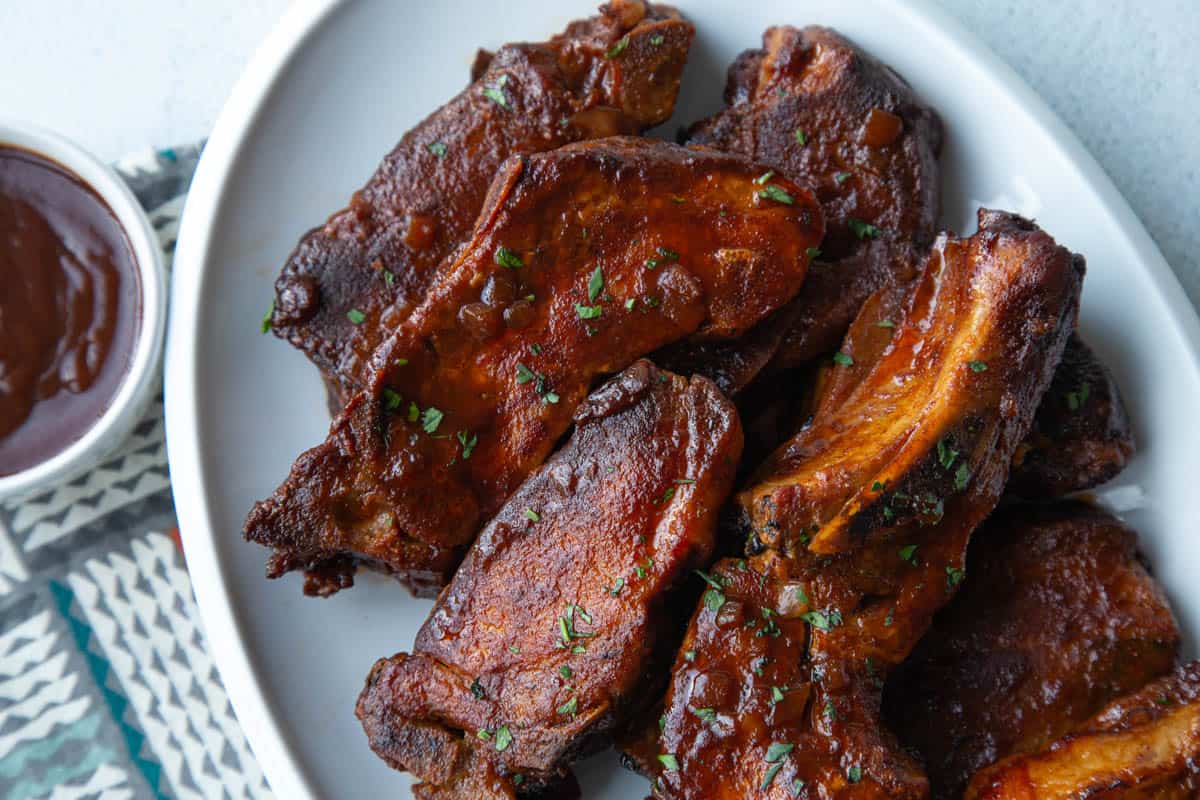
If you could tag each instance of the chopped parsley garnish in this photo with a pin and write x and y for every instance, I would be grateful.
(630, 303)
(885, 323)
(954, 576)
(532, 515)
(617, 48)
(484, 734)
(813, 252)
(669, 762)
(356, 316)
(822, 621)
(977, 366)
(689, 655)
(962, 476)
(503, 738)
(829, 711)
(766, 176)
(524, 374)
(477, 689)
(569, 707)
(617, 586)
(773, 192)
(715, 581)
(468, 441)
(714, 599)
(666, 496)
(776, 695)
(651, 263)
(887, 621)
(797, 787)
(401, 362)
(391, 399)
(801, 597)
(437, 148)
(770, 776)
(266, 320)
(854, 774)
(414, 413)
(550, 397)
(801, 138)
(389, 277)
(595, 284)
(656, 39)
(876, 486)
(536, 349)
(946, 454)
(496, 93)
(430, 419)
(843, 359)
(507, 258)
(777, 751)
(706, 714)
(841, 177)
(908, 553)
(667, 254)
(652, 302)
(863, 230)
(1076, 400)
(565, 671)
(588, 312)
(1162, 700)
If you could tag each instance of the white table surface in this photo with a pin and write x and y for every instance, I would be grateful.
(1124, 74)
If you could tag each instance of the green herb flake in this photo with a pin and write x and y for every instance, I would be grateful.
(437, 148)
(797, 787)
(801, 597)
(503, 738)
(1076, 400)
(776, 695)
(863, 230)
(908, 553)
(801, 137)
(507, 258)
(854, 774)
(484, 734)
(829, 711)
(777, 751)
(431, 418)
(496, 95)
(391, 399)
(954, 577)
(885, 323)
(595, 284)
(630, 303)
(770, 776)
(588, 312)
(715, 581)
(841, 177)
(414, 413)
(468, 441)
(876, 486)
(714, 599)
(656, 39)
(355, 316)
(550, 397)
(569, 707)
(532, 515)
(401, 362)
(524, 374)
(477, 689)
(887, 621)
(669, 762)
(819, 620)
(617, 48)
(844, 359)
(946, 454)
(706, 714)
(689, 655)
(773, 192)
(977, 366)
(266, 320)
(389, 277)
(766, 176)
(565, 671)
(962, 476)
(617, 586)
(667, 254)
(812, 252)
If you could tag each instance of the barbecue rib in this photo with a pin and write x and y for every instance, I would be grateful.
(814, 107)
(584, 259)
(865, 517)
(1057, 618)
(350, 281)
(1081, 434)
(1142, 747)
(550, 633)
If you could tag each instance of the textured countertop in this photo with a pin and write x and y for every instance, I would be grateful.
(1124, 74)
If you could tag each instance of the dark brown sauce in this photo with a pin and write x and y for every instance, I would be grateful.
(70, 308)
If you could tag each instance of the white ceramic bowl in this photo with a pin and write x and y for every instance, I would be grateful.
(137, 386)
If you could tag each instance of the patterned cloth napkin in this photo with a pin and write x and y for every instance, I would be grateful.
(107, 689)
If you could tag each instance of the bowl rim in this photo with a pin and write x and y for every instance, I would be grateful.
(110, 429)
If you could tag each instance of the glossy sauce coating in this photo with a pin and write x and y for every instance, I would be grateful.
(814, 107)
(1058, 617)
(865, 518)
(1145, 746)
(349, 282)
(69, 308)
(557, 626)
(614, 248)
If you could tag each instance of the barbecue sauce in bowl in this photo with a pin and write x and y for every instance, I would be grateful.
(70, 308)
